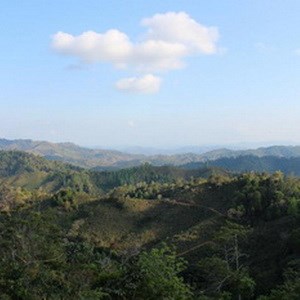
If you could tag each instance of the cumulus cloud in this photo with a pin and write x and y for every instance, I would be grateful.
(169, 38)
(112, 46)
(181, 28)
(148, 84)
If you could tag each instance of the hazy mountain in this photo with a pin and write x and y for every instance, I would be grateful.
(278, 151)
(183, 159)
(111, 159)
(247, 163)
(67, 152)
(168, 151)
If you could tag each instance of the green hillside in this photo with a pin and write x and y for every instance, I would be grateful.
(30, 173)
(20, 169)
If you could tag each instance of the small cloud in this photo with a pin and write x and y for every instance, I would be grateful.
(131, 124)
(297, 51)
(263, 48)
(148, 84)
(76, 67)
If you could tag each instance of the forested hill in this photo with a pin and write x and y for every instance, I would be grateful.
(14, 163)
(20, 169)
(271, 164)
(30, 171)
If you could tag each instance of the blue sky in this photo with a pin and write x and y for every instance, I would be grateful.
(237, 82)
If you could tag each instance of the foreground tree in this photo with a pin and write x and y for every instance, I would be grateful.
(160, 275)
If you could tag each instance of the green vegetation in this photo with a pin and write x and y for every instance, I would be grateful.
(146, 233)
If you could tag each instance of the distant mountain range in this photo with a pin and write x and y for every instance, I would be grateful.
(168, 151)
(248, 163)
(67, 152)
(110, 159)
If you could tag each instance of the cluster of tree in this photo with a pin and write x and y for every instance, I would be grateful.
(260, 197)
(155, 190)
(40, 260)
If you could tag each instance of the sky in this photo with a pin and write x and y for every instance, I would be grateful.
(166, 73)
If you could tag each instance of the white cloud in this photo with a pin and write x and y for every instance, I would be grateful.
(148, 84)
(181, 28)
(112, 46)
(170, 37)
(158, 55)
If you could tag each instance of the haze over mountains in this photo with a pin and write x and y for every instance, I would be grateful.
(200, 149)
(261, 159)
(110, 159)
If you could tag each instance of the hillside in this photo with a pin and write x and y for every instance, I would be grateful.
(31, 172)
(66, 152)
(28, 171)
(13, 163)
(193, 239)
(21, 169)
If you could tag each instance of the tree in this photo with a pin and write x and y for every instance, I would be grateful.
(160, 275)
(224, 270)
